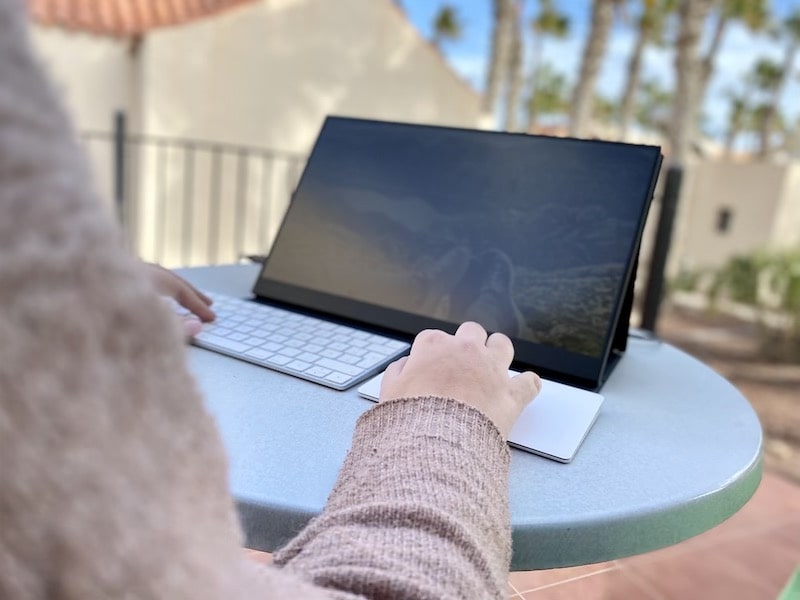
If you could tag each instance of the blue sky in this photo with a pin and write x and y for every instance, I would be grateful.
(740, 50)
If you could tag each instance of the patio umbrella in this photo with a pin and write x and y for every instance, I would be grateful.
(123, 18)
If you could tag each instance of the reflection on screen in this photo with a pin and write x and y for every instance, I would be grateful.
(529, 236)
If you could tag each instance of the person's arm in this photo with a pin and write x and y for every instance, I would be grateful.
(420, 509)
(114, 480)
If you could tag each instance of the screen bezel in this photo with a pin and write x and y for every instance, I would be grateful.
(549, 361)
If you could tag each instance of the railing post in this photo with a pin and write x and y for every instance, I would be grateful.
(658, 260)
(118, 165)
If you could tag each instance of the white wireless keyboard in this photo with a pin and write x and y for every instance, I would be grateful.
(328, 353)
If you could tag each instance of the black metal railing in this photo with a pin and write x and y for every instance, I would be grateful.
(189, 202)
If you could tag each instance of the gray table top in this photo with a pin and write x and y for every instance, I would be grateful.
(675, 450)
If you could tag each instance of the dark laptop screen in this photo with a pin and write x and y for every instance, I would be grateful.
(423, 226)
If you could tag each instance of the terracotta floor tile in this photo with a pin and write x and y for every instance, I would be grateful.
(747, 568)
(775, 503)
(775, 499)
(604, 585)
(525, 581)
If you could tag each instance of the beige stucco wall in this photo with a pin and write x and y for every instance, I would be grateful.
(753, 193)
(92, 73)
(95, 78)
(266, 74)
(786, 228)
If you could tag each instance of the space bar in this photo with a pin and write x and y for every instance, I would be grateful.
(221, 342)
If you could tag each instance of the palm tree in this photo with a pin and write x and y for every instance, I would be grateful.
(692, 15)
(498, 61)
(767, 77)
(739, 119)
(446, 25)
(791, 31)
(753, 13)
(549, 22)
(550, 95)
(655, 102)
(591, 61)
(650, 31)
(604, 109)
(514, 73)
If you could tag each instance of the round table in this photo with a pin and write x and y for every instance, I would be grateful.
(675, 450)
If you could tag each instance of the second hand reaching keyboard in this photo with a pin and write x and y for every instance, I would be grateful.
(334, 355)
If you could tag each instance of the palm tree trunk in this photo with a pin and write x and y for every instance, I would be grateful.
(514, 89)
(536, 61)
(692, 14)
(498, 61)
(710, 58)
(632, 84)
(593, 53)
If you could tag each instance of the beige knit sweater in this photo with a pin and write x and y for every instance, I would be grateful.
(112, 475)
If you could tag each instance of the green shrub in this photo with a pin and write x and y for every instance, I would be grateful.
(769, 282)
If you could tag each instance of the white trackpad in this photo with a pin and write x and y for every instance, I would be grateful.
(554, 425)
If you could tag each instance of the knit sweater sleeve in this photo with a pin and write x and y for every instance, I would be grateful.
(420, 509)
(113, 480)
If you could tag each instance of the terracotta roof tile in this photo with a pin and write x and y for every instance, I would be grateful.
(123, 18)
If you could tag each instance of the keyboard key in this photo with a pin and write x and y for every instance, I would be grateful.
(291, 352)
(298, 365)
(335, 365)
(349, 359)
(221, 342)
(337, 377)
(366, 363)
(373, 357)
(394, 344)
(258, 353)
(316, 371)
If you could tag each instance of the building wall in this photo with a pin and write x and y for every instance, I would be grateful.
(94, 76)
(266, 74)
(92, 73)
(752, 195)
(786, 228)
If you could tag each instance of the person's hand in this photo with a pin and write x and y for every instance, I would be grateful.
(468, 367)
(196, 302)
